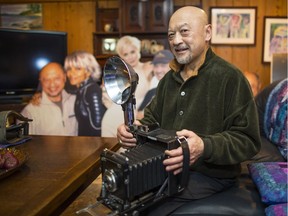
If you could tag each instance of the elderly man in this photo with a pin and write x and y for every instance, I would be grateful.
(206, 100)
(52, 110)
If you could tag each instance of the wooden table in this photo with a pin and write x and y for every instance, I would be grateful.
(58, 170)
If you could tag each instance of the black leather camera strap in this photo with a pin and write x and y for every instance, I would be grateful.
(186, 159)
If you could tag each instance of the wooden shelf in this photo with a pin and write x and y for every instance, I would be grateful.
(146, 20)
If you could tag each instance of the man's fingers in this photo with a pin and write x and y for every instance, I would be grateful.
(174, 167)
(177, 171)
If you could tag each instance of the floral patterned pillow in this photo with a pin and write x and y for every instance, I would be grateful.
(276, 118)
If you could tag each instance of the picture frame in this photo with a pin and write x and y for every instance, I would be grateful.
(21, 16)
(109, 45)
(275, 37)
(233, 25)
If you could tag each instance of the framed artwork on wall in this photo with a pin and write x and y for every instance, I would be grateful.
(275, 37)
(233, 26)
(21, 16)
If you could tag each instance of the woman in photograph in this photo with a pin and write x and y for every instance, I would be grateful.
(84, 72)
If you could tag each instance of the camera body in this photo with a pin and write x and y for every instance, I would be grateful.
(134, 179)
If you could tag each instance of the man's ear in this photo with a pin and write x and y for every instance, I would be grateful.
(208, 32)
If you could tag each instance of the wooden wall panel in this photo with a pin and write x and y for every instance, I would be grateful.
(76, 18)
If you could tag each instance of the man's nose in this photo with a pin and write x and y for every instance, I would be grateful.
(177, 38)
(53, 83)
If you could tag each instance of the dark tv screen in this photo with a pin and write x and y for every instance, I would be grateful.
(22, 55)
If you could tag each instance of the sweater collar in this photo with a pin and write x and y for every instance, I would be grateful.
(176, 67)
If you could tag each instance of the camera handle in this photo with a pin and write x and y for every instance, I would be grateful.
(128, 109)
(186, 159)
(185, 169)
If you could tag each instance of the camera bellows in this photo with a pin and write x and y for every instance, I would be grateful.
(133, 172)
(145, 164)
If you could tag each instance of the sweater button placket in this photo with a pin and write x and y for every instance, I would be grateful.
(182, 93)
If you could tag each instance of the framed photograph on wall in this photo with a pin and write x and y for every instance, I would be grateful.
(275, 37)
(233, 26)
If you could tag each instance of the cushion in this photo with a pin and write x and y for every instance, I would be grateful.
(271, 181)
(261, 101)
(276, 210)
(275, 117)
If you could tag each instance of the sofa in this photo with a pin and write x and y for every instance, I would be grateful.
(243, 199)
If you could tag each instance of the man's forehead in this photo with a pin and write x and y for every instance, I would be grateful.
(177, 25)
(51, 72)
(189, 15)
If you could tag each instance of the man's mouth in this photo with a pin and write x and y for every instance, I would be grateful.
(53, 90)
(54, 94)
(180, 50)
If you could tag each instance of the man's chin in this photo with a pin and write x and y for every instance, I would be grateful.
(183, 59)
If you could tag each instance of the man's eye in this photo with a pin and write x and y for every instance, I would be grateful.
(171, 36)
(184, 31)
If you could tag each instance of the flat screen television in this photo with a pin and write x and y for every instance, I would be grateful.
(22, 54)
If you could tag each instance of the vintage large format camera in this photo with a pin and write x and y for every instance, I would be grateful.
(136, 178)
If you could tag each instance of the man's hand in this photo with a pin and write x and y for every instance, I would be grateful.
(175, 157)
(36, 99)
(125, 137)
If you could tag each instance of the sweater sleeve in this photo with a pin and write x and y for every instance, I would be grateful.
(239, 139)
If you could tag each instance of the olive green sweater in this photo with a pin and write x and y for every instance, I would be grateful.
(217, 104)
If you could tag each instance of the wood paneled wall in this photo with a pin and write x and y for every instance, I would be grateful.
(77, 17)
(250, 57)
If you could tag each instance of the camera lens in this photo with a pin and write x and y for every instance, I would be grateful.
(110, 180)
